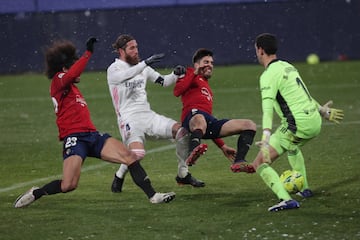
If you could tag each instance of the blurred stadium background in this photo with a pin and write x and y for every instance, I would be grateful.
(328, 28)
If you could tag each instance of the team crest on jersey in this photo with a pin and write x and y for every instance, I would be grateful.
(61, 75)
(68, 151)
(125, 130)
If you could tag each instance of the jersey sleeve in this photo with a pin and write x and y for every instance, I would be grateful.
(268, 87)
(117, 74)
(156, 77)
(183, 84)
(268, 111)
(75, 70)
(219, 142)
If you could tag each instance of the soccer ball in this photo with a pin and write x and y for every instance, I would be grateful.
(292, 180)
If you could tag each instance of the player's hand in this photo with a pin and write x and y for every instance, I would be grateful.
(179, 70)
(229, 152)
(154, 58)
(90, 44)
(264, 145)
(331, 114)
(199, 70)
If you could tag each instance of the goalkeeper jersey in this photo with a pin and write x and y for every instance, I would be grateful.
(282, 89)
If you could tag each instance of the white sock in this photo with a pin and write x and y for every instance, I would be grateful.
(123, 169)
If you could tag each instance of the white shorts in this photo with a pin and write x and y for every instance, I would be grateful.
(133, 128)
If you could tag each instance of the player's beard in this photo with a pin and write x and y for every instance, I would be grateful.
(132, 60)
(207, 72)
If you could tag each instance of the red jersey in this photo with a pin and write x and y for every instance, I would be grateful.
(72, 113)
(195, 93)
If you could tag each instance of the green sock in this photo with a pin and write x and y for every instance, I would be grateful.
(271, 178)
(297, 163)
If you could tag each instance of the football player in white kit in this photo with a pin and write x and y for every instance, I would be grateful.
(127, 77)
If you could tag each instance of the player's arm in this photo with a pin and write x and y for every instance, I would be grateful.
(119, 74)
(183, 84)
(267, 96)
(331, 114)
(268, 111)
(166, 80)
(229, 152)
(170, 79)
(78, 67)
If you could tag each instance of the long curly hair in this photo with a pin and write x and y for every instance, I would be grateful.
(62, 53)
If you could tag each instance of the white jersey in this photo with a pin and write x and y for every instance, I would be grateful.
(127, 85)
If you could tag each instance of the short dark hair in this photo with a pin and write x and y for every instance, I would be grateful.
(200, 53)
(62, 53)
(268, 42)
(122, 40)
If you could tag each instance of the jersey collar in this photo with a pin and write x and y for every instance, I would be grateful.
(275, 60)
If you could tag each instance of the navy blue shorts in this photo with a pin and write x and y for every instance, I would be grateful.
(87, 144)
(213, 125)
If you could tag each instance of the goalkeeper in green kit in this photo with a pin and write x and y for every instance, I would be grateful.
(283, 90)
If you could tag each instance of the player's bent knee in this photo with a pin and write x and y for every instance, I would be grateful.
(181, 133)
(253, 126)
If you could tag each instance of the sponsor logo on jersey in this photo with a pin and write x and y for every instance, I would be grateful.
(206, 93)
(134, 84)
(80, 100)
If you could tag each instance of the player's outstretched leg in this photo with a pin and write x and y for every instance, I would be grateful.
(35, 193)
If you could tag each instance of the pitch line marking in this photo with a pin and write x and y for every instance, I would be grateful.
(84, 169)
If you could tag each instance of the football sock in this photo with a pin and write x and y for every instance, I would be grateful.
(121, 172)
(141, 179)
(53, 187)
(195, 138)
(297, 163)
(272, 180)
(245, 140)
(182, 151)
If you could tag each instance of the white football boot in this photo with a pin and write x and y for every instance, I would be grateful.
(25, 199)
(162, 197)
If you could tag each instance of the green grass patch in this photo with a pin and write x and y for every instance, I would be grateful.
(231, 206)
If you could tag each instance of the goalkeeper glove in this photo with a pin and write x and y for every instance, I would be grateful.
(264, 145)
(331, 114)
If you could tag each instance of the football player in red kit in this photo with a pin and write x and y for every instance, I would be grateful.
(76, 130)
(197, 118)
